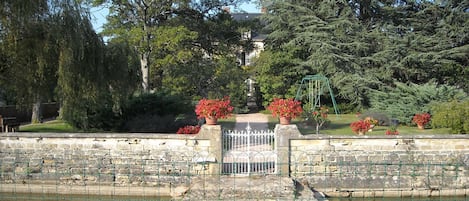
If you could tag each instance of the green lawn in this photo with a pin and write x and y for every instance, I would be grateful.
(59, 126)
(55, 126)
(229, 123)
(339, 126)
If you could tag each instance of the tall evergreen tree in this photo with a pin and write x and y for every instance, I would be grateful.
(404, 100)
(321, 37)
(366, 45)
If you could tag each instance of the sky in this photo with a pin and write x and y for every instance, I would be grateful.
(98, 15)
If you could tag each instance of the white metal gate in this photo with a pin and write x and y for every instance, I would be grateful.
(249, 152)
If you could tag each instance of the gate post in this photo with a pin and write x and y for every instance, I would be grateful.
(283, 134)
(213, 133)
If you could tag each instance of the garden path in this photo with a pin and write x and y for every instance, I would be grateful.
(257, 121)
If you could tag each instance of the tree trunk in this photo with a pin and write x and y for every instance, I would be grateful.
(36, 116)
(144, 62)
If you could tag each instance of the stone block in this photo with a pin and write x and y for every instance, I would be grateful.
(461, 147)
(76, 146)
(376, 158)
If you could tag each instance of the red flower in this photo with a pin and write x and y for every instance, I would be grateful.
(214, 108)
(390, 132)
(188, 130)
(421, 119)
(372, 121)
(321, 115)
(360, 126)
(285, 108)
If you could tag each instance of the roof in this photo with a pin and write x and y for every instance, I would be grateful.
(245, 16)
(260, 37)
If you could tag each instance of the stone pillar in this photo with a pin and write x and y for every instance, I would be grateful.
(214, 134)
(283, 134)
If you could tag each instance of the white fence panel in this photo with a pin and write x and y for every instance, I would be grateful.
(249, 152)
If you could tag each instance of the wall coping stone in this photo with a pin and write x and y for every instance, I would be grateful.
(102, 135)
(326, 137)
(292, 135)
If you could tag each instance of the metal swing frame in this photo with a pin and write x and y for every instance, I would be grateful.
(315, 85)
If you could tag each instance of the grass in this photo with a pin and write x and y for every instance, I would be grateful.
(59, 126)
(55, 126)
(228, 123)
(339, 125)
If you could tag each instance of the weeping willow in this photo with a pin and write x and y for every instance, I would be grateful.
(81, 72)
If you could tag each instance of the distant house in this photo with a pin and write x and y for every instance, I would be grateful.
(245, 58)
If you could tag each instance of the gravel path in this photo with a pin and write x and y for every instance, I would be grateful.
(257, 121)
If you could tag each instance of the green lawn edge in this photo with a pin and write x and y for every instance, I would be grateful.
(339, 125)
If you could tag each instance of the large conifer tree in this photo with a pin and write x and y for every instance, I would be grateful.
(366, 45)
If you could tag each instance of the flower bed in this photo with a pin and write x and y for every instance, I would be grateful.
(188, 130)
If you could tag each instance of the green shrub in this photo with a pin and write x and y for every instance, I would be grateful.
(157, 103)
(347, 108)
(453, 115)
(91, 116)
(158, 112)
(405, 100)
(156, 123)
(103, 118)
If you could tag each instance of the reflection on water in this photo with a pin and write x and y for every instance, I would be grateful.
(61, 197)
(403, 199)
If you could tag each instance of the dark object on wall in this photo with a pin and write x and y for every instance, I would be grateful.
(49, 111)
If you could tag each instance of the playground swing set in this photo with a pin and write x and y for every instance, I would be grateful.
(311, 88)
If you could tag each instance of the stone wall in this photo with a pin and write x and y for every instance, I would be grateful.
(401, 163)
(170, 163)
(84, 159)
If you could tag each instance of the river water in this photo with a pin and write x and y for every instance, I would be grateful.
(61, 197)
(403, 199)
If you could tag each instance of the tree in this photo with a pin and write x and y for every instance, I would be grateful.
(29, 63)
(137, 20)
(141, 23)
(276, 73)
(94, 80)
(80, 72)
(174, 54)
(52, 53)
(404, 100)
(432, 42)
(323, 37)
(212, 71)
(366, 45)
